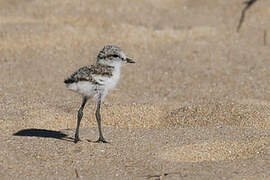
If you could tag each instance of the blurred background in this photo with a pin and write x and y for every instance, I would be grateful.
(187, 52)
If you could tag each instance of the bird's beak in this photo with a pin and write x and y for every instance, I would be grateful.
(129, 60)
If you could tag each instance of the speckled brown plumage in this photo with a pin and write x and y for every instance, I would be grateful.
(109, 52)
(86, 73)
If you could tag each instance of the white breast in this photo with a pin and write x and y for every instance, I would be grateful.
(109, 82)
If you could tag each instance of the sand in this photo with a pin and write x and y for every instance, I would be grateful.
(196, 105)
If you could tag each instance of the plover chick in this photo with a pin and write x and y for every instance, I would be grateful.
(94, 81)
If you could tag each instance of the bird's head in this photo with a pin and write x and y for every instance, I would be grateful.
(113, 56)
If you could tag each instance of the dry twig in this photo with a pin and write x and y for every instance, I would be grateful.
(76, 173)
(248, 4)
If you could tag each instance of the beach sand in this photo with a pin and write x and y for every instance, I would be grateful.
(196, 105)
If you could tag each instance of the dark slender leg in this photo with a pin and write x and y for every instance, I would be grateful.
(101, 138)
(80, 115)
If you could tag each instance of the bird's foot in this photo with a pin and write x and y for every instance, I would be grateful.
(101, 140)
(76, 139)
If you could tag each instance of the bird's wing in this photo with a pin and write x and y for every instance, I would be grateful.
(88, 73)
(82, 74)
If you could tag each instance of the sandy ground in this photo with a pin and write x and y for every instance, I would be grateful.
(194, 106)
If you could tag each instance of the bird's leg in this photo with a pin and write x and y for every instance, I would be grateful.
(101, 138)
(79, 116)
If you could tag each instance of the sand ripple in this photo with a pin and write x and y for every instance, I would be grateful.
(213, 151)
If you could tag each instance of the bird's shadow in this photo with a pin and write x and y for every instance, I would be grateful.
(43, 133)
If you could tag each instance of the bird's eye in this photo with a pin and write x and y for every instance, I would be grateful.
(115, 55)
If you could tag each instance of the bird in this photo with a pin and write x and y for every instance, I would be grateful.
(94, 81)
